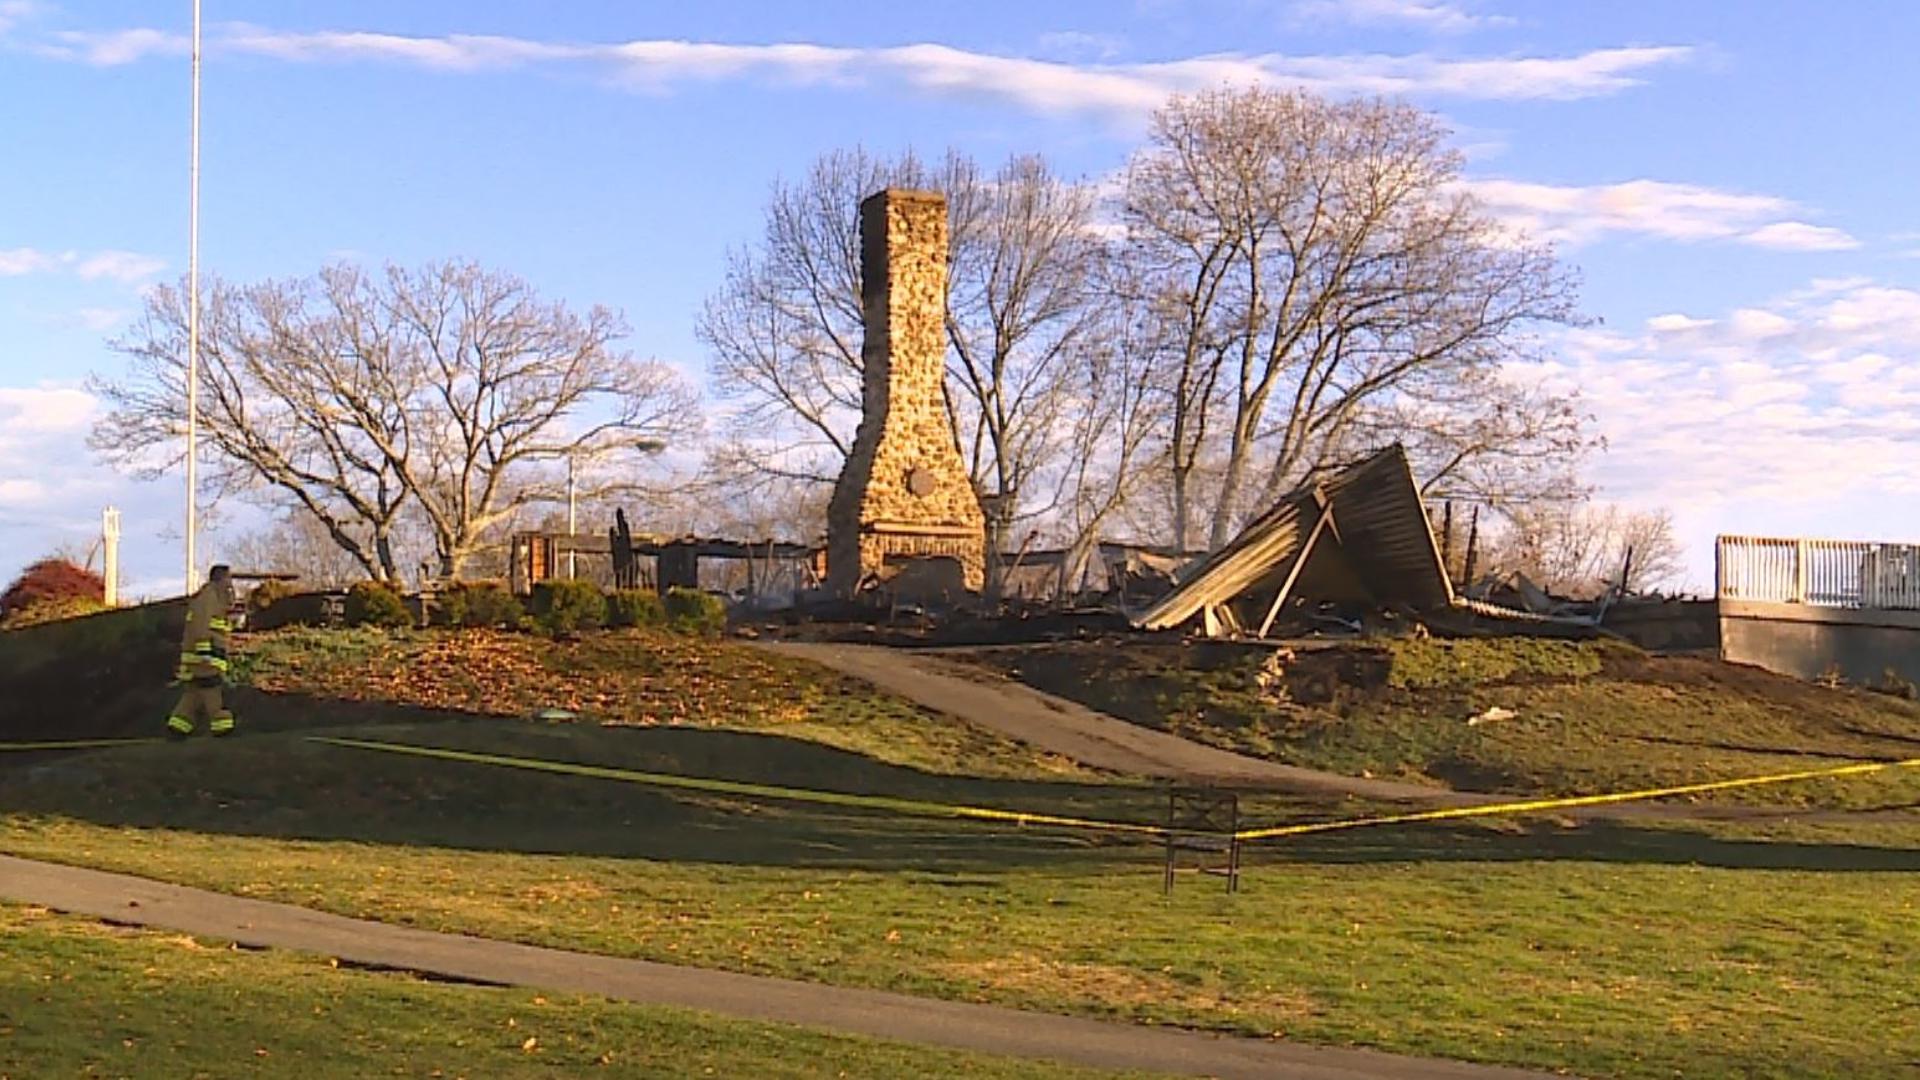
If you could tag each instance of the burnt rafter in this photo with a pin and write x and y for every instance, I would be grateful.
(1359, 535)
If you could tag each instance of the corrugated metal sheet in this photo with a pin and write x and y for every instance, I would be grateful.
(1384, 544)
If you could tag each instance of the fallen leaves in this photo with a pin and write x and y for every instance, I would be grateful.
(630, 678)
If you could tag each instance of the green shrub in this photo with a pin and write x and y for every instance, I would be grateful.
(635, 607)
(268, 593)
(374, 603)
(53, 609)
(690, 611)
(273, 605)
(478, 605)
(563, 606)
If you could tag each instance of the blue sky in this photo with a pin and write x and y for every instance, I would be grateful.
(1734, 180)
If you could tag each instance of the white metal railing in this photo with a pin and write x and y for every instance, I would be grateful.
(1821, 573)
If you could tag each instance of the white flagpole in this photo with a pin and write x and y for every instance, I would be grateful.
(193, 317)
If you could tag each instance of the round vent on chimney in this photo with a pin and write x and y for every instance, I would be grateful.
(920, 483)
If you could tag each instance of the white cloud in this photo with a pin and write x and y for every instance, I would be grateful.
(1808, 400)
(1431, 15)
(1042, 85)
(97, 319)
(1800, 236)
(1753, 324)
(112, 48)
(1688, 213)
(19, 493)
(52, 488)
(119, 265)
(454, 52)
(123, 266)
(1676, 323)
(42, 439)
(44, 410)
(1881, 313)
(15, 12)
(15, 262)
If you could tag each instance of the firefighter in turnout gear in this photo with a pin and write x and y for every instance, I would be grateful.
(203, 659)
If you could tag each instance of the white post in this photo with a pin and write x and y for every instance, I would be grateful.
(1799, 571)
(570, 518)
(193, 316)
(110, 555)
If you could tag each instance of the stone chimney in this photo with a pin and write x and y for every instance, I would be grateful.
(904, 492)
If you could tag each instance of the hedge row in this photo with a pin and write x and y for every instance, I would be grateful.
(556, 607)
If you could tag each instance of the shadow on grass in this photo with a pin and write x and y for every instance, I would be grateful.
(1591, 841)
(275, 783)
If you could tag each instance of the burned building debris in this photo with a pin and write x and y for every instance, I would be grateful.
(1360, 537)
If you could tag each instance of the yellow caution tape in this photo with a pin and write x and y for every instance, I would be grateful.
(922, 808)
(72, 744)
(914, 807)
(1569, 802)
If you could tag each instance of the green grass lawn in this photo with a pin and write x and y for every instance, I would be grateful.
(1776, 948)
(1606, 949)
(1586, 717)
(78, 998)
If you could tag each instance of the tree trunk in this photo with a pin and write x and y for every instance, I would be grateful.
(1182, 504)
(383, 550)
(1224, 510)
(999, 525)
(1073, 565)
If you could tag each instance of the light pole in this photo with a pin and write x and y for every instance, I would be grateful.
(193, 317)
(571, 521)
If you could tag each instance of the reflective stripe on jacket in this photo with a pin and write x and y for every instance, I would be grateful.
(203, 648)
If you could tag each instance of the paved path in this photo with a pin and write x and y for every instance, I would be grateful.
(1092, 738)
(901, 1017)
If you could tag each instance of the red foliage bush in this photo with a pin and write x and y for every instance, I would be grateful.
(51, 581)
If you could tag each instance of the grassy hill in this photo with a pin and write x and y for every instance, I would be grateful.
(1576, 717)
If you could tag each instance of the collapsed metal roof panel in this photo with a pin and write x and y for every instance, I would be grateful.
(1377, 522)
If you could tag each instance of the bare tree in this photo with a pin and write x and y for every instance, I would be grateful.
(452, 391)
(785, 328)
(1485, 437)
(1582, 549)
(1326, 273)
(298, 544)
(275, 431)
(505, 383)
(1025, 316)
(1117, 423)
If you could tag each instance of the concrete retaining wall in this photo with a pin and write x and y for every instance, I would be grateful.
(1808, 642)
(1667, 625)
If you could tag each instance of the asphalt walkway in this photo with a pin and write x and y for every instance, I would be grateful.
(989, 1029)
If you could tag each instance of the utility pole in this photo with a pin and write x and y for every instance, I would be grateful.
(193, 319)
